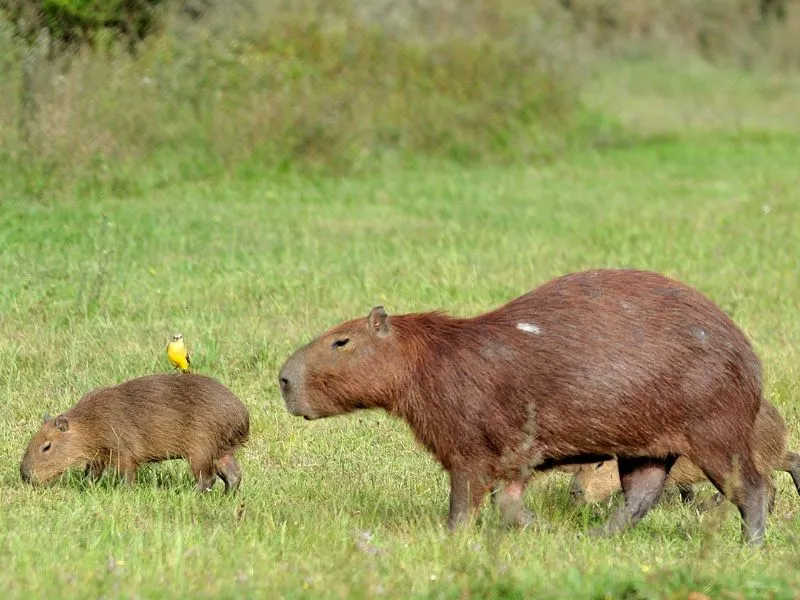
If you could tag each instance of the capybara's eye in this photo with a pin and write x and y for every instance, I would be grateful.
(341, 342)
(46, 447)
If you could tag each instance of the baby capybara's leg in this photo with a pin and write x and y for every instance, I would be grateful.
(642, 482)
(687, 492)
(508, 499)
(467, 492)
(791, 464)
(228, 470)
(738, 479)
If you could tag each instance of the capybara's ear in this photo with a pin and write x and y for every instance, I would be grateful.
(47, 418)
(62, 424)
(378, 321)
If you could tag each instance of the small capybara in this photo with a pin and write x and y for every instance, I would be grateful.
(597, 481)
(589, 366)
(148, 419)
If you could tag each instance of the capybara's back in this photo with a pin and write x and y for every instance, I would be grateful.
(148, 419)
(586, 367)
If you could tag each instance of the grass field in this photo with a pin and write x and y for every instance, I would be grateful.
(252, 266)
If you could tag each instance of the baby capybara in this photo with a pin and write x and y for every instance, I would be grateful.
(597, 481)
(148, 419)
(586, 367)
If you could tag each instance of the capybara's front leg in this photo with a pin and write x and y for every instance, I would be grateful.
(508, 499)
(466, 495)
(642, 482)
(126, 468)
(94, 470)
(203, 471)
(96, 466)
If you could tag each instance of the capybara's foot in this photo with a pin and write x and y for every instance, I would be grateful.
(228, 470)
(527, 519)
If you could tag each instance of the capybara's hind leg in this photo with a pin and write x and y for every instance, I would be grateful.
(228, 470)
(642, 482)
(508, 499)
(753, 508)
(742, 484)
(466, 495)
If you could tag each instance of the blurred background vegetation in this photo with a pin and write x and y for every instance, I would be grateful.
(123, 96)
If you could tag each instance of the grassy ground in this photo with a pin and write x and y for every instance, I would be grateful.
(249, 268)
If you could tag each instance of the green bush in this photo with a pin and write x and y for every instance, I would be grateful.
(294, 87)
(73, 23)
(343, 85)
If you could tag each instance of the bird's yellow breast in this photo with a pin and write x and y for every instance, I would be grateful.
(177, 354)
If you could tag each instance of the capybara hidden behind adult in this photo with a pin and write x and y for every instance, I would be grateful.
(586, 367)
(596, 482)
(148, 419)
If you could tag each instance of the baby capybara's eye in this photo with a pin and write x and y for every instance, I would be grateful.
(46, 447)
(341, 342)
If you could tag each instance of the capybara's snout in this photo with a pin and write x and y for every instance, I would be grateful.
(25, 473)
(290, 380)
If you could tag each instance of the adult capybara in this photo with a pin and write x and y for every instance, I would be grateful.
(597, 481)
(586, 367)
(148, 419)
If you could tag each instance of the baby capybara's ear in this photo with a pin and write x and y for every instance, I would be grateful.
(61, 423)
(378, 321)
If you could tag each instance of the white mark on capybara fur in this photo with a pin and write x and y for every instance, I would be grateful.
(529, 328)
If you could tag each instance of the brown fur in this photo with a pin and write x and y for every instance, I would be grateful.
(611, 363)
(148, 419)
(597, 481)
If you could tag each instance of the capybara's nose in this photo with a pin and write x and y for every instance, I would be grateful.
(25, 474)
(576, 493)
(284, 383)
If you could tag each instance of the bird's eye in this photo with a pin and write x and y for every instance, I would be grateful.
(46, 447)
(340, 343)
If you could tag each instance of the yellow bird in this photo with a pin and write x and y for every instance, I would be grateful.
(177, 353)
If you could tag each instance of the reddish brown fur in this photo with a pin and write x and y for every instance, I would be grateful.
(148, 419)
(596, 482)
(614, 363)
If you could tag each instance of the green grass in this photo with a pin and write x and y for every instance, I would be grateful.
(250, 267)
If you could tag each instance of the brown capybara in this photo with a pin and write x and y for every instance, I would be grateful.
(597, 481)
(148, 419)
(586, 367)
